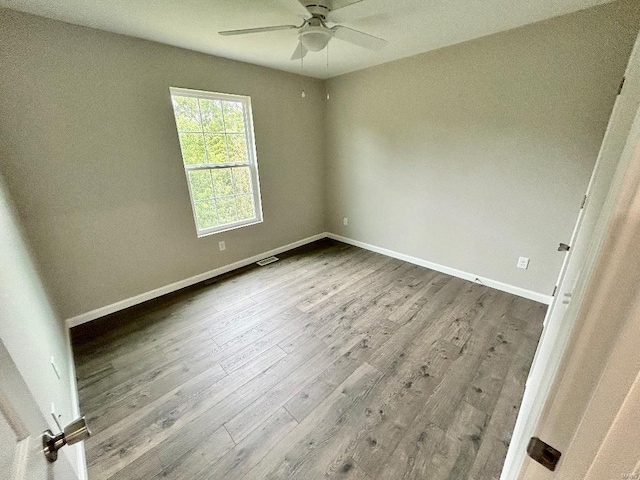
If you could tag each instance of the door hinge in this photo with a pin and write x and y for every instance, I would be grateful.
(621, 85)
(563, 247)
(584, 200)
(543, 453)
(555, 289)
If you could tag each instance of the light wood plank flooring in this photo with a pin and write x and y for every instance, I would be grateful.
(334, 362)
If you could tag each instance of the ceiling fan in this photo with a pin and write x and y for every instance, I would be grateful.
(313, 33)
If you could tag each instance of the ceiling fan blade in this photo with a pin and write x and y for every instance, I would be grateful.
(300, 52)
(358, 38)
(348, 10)
(338, 4)
(299, 7)
(259, 30)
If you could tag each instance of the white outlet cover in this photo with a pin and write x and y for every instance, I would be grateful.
(523, 262)
(345, 221)
(222, 245)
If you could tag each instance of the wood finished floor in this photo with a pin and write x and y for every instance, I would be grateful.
(333, 363)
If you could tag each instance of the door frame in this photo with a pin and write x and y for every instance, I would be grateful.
(560, 321)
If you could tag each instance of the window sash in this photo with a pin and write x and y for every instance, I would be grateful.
(257, 207)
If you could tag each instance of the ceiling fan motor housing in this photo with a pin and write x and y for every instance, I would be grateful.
(318, 8)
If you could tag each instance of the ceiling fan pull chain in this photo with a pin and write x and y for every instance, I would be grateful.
(327, 68)
(301, 73)
(327, 60)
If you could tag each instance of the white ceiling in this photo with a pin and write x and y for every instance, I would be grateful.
(410, 26)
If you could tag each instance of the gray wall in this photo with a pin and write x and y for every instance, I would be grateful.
(473, 155)
(30, 329)
(91, 156)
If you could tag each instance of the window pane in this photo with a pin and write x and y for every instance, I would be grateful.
(233, 117)
(211, 111)
(187, 114)
(242, 179)
(201, 187)
(226, 209)
(192, 148)
(222, 182)
(237, 146)
(216, 149)
(245, 207)
(206, 214)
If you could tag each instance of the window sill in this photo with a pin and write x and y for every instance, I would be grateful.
(235, 226)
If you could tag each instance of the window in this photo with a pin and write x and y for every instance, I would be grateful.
(218, 153)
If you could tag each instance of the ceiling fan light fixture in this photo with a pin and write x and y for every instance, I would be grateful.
(315, 38)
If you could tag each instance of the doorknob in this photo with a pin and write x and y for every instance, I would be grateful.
(563, 247)
(75, 432)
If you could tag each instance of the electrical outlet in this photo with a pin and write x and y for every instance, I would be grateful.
(55, 367)
(222, 245)
(345, 221)
(523, 262)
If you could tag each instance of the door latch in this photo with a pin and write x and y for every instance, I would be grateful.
(75, 432)
(563, 247)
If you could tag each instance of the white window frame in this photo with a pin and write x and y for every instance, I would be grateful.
(252, 162)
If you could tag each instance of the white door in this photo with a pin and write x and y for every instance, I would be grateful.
(576, 268)
(599, 435)
(21, 428)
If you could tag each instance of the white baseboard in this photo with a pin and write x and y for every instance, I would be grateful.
(143, 297)
(505, 287)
